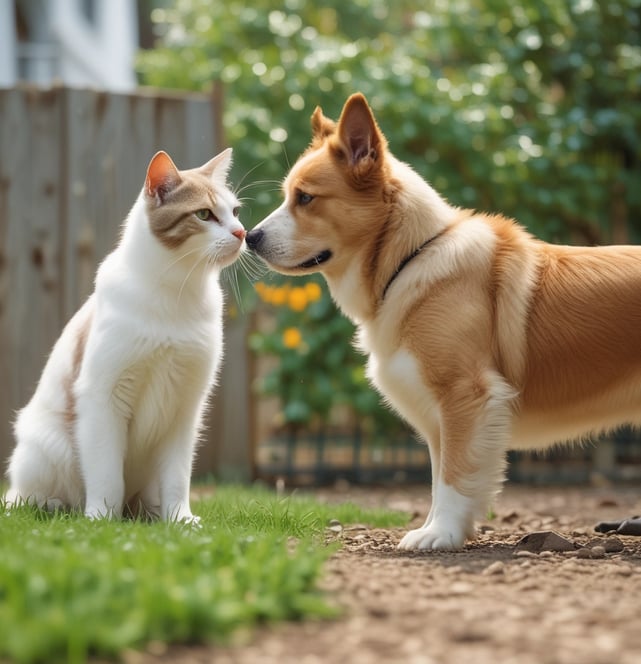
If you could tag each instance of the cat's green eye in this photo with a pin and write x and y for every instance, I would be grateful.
(206, 215)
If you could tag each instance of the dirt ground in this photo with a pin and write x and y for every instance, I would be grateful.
(486, 604)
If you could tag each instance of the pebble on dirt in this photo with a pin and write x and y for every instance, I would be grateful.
(544, 540)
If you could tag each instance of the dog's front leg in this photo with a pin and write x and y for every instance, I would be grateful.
(434, 445)
(475, 417)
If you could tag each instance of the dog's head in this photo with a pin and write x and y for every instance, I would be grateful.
(336, 196)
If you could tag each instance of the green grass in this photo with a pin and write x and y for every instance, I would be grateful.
(71, 588)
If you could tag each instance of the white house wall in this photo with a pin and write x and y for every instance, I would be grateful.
(8, 60)
(66, 47)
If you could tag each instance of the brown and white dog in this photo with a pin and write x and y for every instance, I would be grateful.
(482, 337)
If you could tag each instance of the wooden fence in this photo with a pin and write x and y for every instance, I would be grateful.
(71, 165)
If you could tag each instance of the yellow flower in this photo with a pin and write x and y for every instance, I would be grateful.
(279, 295)
(276, 295)
(297, 299)
(292, 338)
(313, 291)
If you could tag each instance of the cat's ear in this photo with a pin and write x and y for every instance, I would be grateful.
(218, 167)
(162, 176)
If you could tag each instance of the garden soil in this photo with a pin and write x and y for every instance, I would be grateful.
(490, 603)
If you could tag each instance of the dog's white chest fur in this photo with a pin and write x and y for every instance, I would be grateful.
(397, 376)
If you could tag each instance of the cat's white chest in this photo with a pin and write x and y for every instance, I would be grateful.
(155, 357)
(153, 391)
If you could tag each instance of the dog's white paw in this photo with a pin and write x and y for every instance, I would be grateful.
(433, 537)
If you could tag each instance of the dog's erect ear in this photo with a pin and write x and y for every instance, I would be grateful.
(321, 126)
(359, 133)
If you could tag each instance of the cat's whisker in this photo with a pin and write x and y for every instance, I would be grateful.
(238, 187)
(252, 266)
(180, 258)
(230, 275)
(284, 149)
(258, 183)
(191, 271)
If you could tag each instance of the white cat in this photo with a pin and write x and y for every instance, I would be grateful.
(115, 418)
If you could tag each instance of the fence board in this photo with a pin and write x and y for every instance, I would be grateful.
(31, 312)
(71, 165)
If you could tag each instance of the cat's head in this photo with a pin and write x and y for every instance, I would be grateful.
(193, 211)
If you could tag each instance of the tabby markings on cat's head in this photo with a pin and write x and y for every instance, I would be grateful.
(182, 205)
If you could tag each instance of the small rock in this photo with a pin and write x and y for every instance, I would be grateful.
(525, 554)
(595, 541)
(584, 552)
(469, 636)
(378, 612)
(544, 540)
(497, 567)
(511, 517)
(454, 570)
(608, 502)
(597, 552)
(609, 544)
(461, 588)
(623, 570)
(572, 565)
(335, 526)
(613, 545)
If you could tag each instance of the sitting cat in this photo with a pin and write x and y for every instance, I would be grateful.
(115, 418)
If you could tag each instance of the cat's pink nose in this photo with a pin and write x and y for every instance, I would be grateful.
(240, 234)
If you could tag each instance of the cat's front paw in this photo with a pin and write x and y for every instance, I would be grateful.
(434, 537)
(98, 513)
(191, 520)
(183, 515)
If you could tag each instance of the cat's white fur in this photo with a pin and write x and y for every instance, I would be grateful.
(115, 418)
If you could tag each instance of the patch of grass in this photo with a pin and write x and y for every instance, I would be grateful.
(70, 588)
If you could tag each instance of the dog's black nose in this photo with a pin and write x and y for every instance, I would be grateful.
(254, 238)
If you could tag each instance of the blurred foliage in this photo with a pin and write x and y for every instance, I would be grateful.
(318, 370)
(532, 109)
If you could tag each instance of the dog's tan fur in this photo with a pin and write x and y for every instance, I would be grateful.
(488, 339)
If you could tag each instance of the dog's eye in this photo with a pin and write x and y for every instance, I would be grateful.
(303, 198)
(206, 215)
(236, 211)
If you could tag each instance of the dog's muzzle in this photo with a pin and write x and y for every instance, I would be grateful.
(254, 238)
